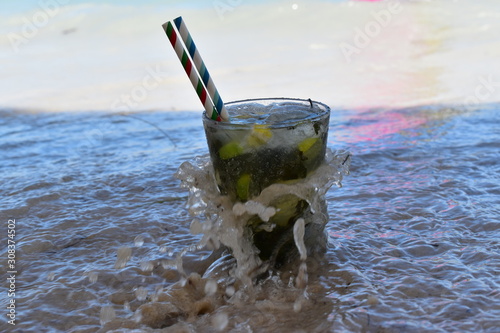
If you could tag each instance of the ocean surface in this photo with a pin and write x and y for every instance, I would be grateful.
(413, 232)
(90, 152)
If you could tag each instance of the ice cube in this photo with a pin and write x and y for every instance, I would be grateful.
(248, 113)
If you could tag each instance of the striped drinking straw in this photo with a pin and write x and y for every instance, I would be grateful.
(193, 75)
(200, 66)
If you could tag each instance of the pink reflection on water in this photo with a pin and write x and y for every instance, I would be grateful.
(347, 234)
(389, 234)
(363, 126)
(451, 204)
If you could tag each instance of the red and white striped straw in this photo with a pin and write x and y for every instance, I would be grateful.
(191, 72)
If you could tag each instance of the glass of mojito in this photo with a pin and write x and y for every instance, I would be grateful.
(269, 141)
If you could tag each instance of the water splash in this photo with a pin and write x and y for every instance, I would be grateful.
(141, 293)
(139, 240)
(107, 314)
(235, 276)
(220, 322)
(92, 276)
(223, 223)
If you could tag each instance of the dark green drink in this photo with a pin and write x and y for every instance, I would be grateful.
(266, 142)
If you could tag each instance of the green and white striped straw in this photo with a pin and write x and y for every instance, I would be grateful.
(200, 66)
(194, 76)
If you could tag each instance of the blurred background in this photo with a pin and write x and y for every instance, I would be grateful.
(65, 55)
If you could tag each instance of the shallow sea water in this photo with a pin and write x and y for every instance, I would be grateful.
(100, 218)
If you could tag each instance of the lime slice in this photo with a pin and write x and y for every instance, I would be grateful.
(311, 149)
(306, 145)
(230, 150)
(260, 135)
(286, 208)
(243, 187)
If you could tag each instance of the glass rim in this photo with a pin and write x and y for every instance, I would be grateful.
(322, 106)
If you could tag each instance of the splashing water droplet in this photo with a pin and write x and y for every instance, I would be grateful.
(210, 287)
(254, 208)
(298, 236)
(159, 290)
(139, 240)
(230, 291)
(267, 213)
(166, 249)
(168, 264)
(137, 317)
(141, 294)
(123, 255)
(239, 209)
(92, 276)
(301, 280)
(107, 314)
(147, 266)
(220, 321)
(297, 306)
